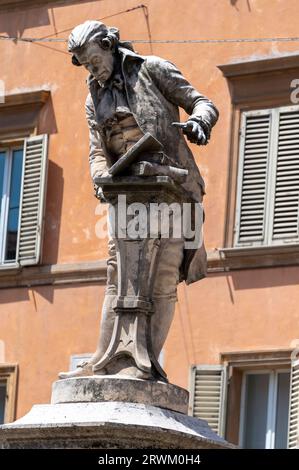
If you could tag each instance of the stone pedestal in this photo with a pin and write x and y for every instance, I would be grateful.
(120, 389)
(107, 425)
(131, 346)
(111, 413)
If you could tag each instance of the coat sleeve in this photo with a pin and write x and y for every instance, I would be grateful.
(176, 89)
(97, 160)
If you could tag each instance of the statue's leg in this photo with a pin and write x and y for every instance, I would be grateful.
(165, 291)
(108, 313)
(107, 320)
(106, 327)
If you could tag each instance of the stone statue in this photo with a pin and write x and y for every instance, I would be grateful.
(133, 114)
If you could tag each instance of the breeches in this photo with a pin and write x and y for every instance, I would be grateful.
(167, 275)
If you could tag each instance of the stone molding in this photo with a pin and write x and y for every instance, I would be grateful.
(219, 260)
(17, 4)
(228, 259)
(55, 274)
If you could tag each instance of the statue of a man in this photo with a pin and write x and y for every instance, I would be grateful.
(130, 95)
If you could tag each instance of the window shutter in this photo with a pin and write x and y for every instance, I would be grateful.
(286, 203)
(32, 200)
(208, 389)
(252, 178)
(293, 438)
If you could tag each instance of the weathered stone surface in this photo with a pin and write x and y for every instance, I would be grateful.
(108, 425)
(113, 388)
(137, 150)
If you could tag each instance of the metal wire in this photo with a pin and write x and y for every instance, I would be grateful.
(163, 41)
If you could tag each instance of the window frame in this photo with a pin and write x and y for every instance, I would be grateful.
(271, 404)
(9, 149)
(9, 374)
(33, 193)
(267, 241)
(238, 362)
(253, 84)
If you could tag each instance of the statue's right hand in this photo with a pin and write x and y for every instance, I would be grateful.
(104, 174)
(193, 130)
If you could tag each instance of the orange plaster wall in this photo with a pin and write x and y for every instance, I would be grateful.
(41, 328)
(240, 311)
(243, 310)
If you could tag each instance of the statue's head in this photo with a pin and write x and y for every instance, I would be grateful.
(93, 45)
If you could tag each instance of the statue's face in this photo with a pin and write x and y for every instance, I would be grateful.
(97, 61)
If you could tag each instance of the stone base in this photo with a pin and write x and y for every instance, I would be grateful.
(108, 425)
(122, 389)
(102, 412)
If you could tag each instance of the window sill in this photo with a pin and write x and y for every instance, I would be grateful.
(9, 268)
(226, 259)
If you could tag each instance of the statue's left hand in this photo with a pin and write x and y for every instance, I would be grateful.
(194, 132)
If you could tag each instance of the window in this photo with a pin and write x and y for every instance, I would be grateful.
(8, 386)
(268, 178)
(11, 163)
(22, 193)
(261, 88)
(2, 401)
(251, 399)
(265, 409)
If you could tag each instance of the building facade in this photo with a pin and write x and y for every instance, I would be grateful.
(235, 335)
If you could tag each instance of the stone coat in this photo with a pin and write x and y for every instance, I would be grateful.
(155, 90)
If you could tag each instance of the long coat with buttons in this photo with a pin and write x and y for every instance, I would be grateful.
(155, 89)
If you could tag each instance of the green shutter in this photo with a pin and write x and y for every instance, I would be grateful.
(268, 178)
(253, 178)
(32, 200)
(293, 438)
(286, 195)
(208, 390)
